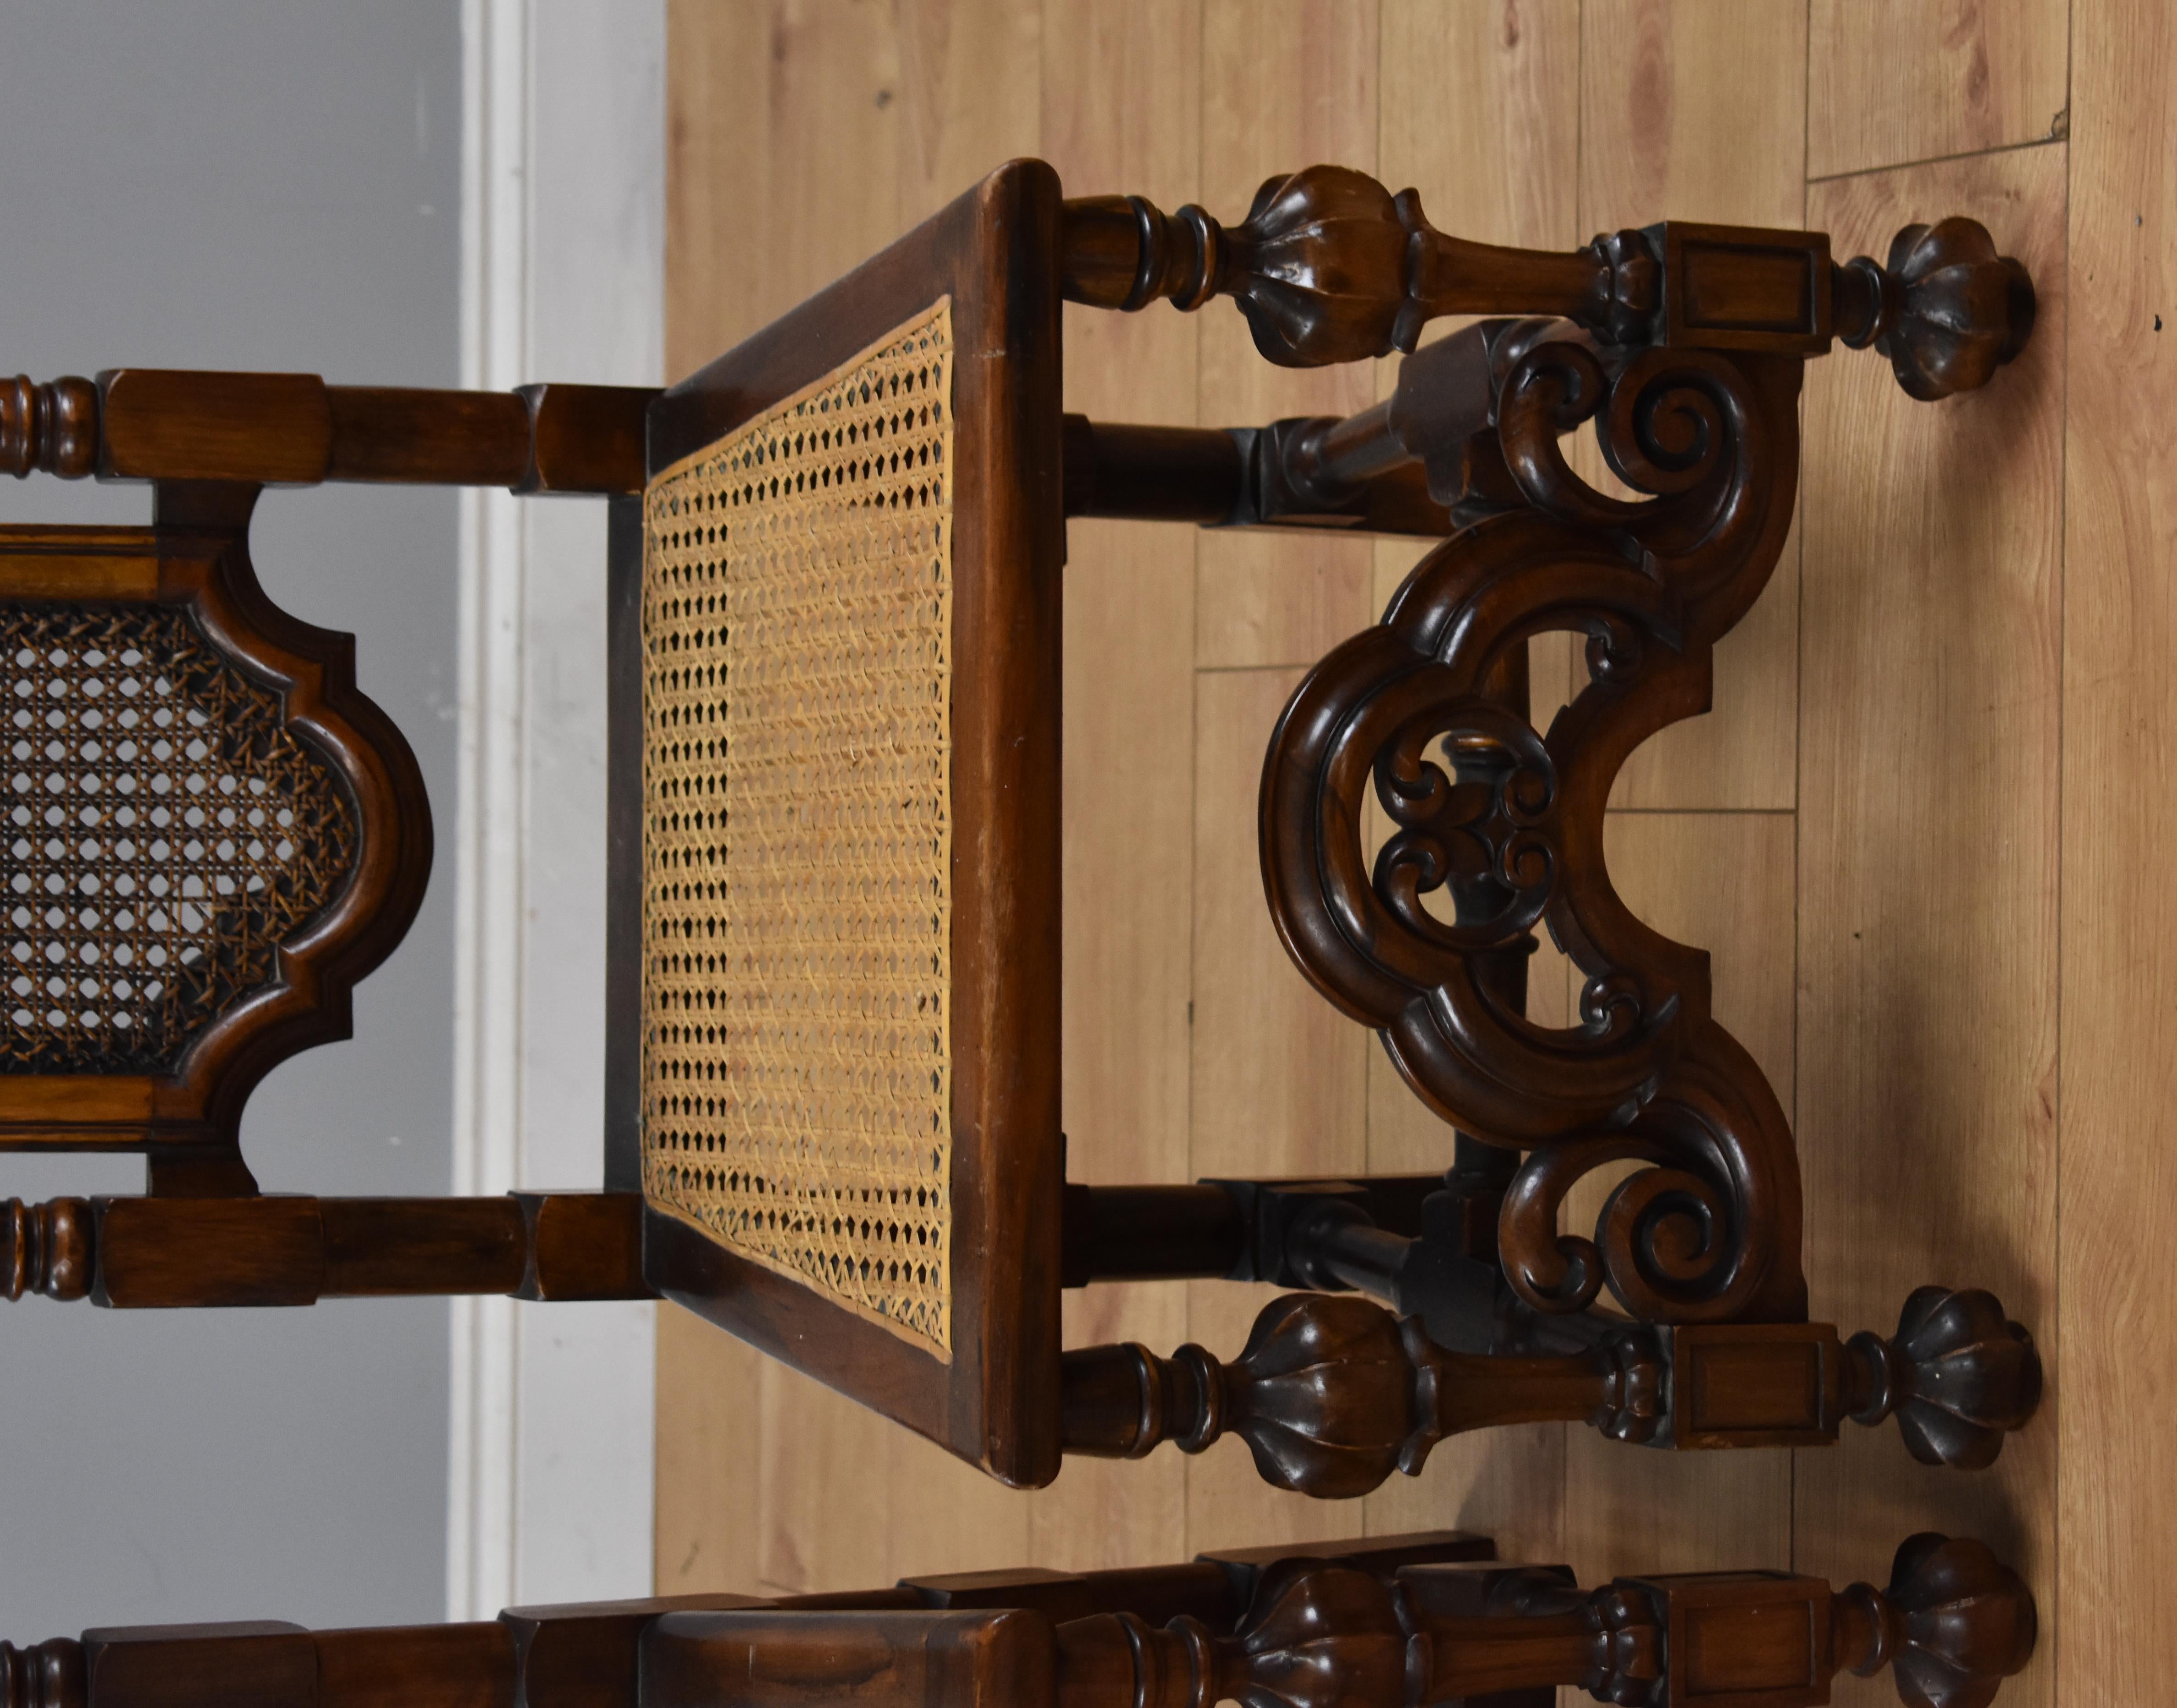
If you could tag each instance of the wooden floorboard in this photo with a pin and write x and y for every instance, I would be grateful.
(1928, 951)
(1129, 722)
(1924, 836)
(2117, 1404)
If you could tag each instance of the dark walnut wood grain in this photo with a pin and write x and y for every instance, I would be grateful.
(1512, 831)
(1332, 1393)
(164, 1252)
(1394, 1622)
(1330, 266)
(293, 430)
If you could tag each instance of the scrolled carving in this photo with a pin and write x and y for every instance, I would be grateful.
(1958, 1375)
(1948, 310)
(1684, 426)
(1486, 835)
(1330, 266)
(46, 1248)
(51, 427)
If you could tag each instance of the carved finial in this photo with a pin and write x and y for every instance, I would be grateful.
(44, 1248)
(1958, 1373)
(1948, 310)
(49, 1675)
(1325, 1395)
(1330, 266)
(1316, 1636)
(1954, 1623)
(54, 427)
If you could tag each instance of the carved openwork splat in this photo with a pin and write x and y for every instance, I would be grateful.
(211, 834)
(1510, 822)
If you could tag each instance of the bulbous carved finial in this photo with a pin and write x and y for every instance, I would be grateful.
(46, 1675)
(54, 427)
(44, 1248)
(1958, 1373)
(1954, 1623)
(1316, 1636)
(1947, 310)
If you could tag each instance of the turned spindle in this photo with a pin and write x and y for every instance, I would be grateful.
(46, 1248)
(1330, 266)
(1947, 310)
(51, 427)
(42, 1675)
(1954, 1622)
(1333, 1394)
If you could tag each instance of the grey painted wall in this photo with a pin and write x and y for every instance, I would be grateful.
(265, 184)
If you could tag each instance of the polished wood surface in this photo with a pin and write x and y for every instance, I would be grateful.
(1696, 110)
(185, 1112)
(293, 430)
(2116, 1081)
(1402, 1621)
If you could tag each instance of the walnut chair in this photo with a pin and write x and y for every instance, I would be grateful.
(1427, 1621)
(835, 573)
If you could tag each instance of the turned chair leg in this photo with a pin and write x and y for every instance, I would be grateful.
(1333, 1394)
(1952, 1624)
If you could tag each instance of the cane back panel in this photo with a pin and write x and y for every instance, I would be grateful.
(838, 874)
(209, 835)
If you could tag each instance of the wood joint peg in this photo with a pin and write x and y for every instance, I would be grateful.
(1752, 1384)
(154, 1252)
(583, 1246)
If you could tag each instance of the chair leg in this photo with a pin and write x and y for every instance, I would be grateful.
(1333, 1394)
(1953, 1622)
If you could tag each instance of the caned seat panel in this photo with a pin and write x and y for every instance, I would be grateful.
(834, 1031)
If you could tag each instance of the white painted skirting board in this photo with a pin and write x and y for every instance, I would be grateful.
(550, 1459)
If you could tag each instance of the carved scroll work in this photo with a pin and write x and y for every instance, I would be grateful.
(1509, 826)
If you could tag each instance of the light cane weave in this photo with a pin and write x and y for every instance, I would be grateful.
(797, 621)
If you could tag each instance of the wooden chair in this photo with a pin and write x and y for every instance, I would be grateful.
(834, 576)
(1392, 1621)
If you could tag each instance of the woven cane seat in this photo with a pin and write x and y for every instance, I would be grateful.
(843, 1057)
(797, 613)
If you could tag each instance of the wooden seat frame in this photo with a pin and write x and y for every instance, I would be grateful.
(1426, 1621)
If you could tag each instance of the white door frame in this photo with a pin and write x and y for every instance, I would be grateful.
(550, 1478)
